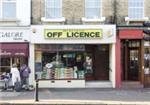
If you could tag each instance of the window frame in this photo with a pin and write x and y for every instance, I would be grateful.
(1, 8)
(53, 17)
(136, 7)
(99, 7)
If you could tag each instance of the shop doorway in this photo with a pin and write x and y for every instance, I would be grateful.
(133, 66)
(100, 59)
(131, 60)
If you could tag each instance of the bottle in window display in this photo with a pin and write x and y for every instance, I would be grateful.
(147, 62)
(62, 76)
(51, 70)
(75, 72)
(43, 74)
(79, 62)
(48, 70)
(88, 65)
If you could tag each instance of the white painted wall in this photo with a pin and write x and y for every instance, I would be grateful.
(8, 34)
(112, 64)
(48, 83)
(62, 84)
(108, 32)
(73, 83)
(38, 38)
(31, 63)
(24, 12)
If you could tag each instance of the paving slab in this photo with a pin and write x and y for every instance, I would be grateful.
(77, 97)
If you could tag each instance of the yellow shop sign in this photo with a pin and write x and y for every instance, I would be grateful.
(72, 33)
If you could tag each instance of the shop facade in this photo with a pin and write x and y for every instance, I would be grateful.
(147, 63)
(73, 56)
(14, 47)
(130, 51)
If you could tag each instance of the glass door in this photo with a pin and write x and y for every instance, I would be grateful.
(133, 66)
(131, 60)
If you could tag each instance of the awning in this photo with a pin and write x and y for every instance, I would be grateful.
(131, 34)
(14, 49)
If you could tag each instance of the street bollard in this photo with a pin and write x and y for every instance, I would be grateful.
(36, 91)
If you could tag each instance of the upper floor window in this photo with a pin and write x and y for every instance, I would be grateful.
(93, 9)
(136, 9)
(8, 9)
(53, 9)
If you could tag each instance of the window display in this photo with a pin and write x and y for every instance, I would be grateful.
(147, 61)
(4, 67)
(60, 64)
(88, 64)
(6, 63)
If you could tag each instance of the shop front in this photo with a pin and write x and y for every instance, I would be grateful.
(74, 56)
(14, 48)
(13, 53)
(146, 63)
(130, 58)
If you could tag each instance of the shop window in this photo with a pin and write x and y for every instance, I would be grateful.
(136, 9)
(56, 62)
(147, 60)
(60, 65)
(93, 9)
(8, 9)
(53, 9)
(59, 61)
(19, 61)
(4, 66)
(134, 44)
(7, 62)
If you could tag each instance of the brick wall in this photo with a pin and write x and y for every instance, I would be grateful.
(73, 11)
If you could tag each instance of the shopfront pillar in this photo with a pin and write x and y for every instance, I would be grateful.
(112, 64)
(31, 64)
(118, 63)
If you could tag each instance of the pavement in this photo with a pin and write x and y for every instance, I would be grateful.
(84, 96)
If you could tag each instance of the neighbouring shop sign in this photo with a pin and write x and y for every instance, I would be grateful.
(14, 35)
(14, 49)
(6, 53)
(72, 33)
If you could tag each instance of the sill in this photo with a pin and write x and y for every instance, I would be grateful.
(9, 20)
(102, 19)
(59, 79)
(128, 20)
(43, 19)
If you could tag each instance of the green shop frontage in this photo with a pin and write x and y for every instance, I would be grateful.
(73, 56)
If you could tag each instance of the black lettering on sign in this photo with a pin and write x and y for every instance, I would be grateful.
(97, 34)
(76, 34)
(54, 34)
(68, 35)
(49, 34)
(92, 34)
